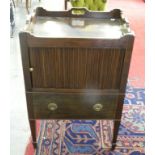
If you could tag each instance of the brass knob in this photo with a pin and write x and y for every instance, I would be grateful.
(52, 106)
(98, 107)
(31, 69)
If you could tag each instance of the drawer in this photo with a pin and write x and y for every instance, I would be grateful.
(73, 106)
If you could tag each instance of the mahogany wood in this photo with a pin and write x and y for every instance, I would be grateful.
(73, 106)
(76, 71)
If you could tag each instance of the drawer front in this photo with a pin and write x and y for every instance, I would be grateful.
(73, 106)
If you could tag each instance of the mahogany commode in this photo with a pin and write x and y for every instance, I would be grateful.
(76, 66)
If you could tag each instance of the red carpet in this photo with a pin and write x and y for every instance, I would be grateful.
(134, 11)
(79, 137)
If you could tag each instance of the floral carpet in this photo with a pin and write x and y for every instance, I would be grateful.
(93, 137)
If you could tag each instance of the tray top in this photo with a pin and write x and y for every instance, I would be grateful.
(81, 27)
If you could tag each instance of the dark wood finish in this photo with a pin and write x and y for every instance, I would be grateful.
(33, 132)
(76, 91)
(115, 133)
(116, 13)
(73, 106)
(127, 58)
(25, 59)
(77, 67)
(76, 42)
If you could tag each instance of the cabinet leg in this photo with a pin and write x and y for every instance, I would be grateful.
(33, 132)
(34, 145)
(116, 129)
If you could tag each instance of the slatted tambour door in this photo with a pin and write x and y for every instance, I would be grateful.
(79, 68)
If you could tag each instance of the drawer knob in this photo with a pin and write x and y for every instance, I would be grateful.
(31, 69)
(98, 107)
(52, 106)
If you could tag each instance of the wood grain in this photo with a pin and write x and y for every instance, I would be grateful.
(73, 106)
(79, 68)
(76, 73)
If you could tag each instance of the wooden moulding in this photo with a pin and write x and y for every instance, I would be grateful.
(25, 60)
(115, 14)
(78, 42)
(75, 91)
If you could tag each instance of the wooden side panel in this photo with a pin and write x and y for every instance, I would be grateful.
(79, 68)
(25, 60)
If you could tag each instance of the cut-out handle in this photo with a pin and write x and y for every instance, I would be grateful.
(78, 11)
(84, 13)
(77, 23)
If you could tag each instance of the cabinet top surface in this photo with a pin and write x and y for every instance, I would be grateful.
(71, 27)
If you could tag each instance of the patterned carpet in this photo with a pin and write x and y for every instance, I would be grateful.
(92, 137)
